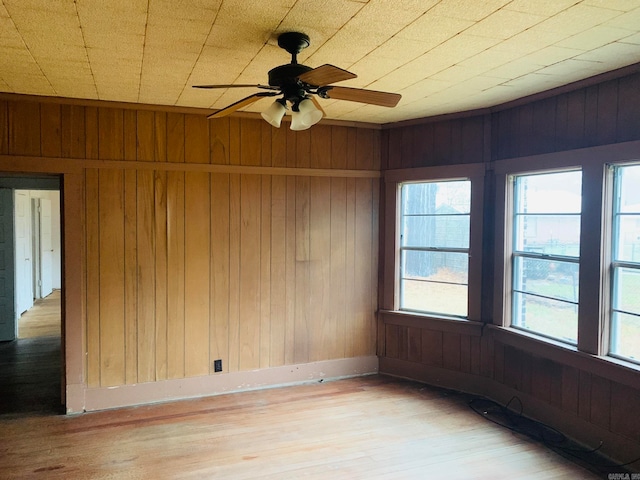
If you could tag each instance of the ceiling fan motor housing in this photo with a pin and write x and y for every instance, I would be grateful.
(286, 77)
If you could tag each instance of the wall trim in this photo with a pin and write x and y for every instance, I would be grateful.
(617, 448)
(88, 102)
(430, 322)
(23, 164)
(103, 398)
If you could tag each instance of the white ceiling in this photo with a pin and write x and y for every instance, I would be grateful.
(442, 56)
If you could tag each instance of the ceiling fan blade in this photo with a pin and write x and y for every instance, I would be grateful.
(373, 97)
(325, 74)
(241, 103)
(238, 85)
(318, 106)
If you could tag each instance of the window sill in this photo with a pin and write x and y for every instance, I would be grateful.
(607, 367)
(431, 322)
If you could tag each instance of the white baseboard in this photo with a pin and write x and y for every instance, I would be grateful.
(103, 398)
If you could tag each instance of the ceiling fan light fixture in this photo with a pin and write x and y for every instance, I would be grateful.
(297, 123)
(310, 114)
(275, 112)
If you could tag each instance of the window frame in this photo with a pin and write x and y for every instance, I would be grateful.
(429, 248)
(608, 279)
(393, 180)
(595, 248)
(514, 253)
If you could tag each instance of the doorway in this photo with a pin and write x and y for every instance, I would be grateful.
(30, 279)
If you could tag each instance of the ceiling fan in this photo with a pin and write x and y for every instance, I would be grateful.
(299, 85)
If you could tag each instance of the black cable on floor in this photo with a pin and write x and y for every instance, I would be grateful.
(549, 436)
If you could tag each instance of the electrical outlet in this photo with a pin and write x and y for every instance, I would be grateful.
(217, 365)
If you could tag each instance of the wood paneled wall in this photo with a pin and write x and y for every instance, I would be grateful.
(600, 114)
(186, 264)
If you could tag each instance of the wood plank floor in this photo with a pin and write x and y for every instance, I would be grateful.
(43, 319)
(30, 367)
(363, 428)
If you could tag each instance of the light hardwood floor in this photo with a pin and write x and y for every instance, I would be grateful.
(363, 428)
(43, 319)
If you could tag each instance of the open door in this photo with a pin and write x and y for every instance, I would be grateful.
(7, 305)
(46, 248)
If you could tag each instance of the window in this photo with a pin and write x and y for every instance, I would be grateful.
(545, 254)
(434, 247)
(625, 264)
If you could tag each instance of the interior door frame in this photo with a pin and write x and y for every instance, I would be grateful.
(33, 173)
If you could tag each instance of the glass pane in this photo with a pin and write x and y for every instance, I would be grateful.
(625, 336)
(434, 282)
(551, 318)
(627, 248)
(549, 278)
(626, 292)
(629, 192)
(549, 193)
(436, 197)
(424, 296)
(447, 231)
(435, 266)
(550, 234)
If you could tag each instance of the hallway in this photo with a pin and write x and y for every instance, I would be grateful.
(30, 366)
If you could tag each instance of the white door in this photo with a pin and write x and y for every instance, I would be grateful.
(24, 272)
(7, 306)
(46, 248)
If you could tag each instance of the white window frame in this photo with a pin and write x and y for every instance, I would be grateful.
(612, 263)
(595, 251)
(393, 179)
(514, 253)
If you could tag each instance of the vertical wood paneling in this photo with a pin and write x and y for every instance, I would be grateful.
(4, 128)
(570, 378)
(72, 132)
(339, 292)
(219, 328)
(175, 137)
(160, 230)
(265, 272)
(302, 272)
(622, 421)
(278, 262)
(279, 147)
(322, 329)
(250, 142)
(24, 128)
(350, 268)
(197, 237)
(146, 136)
(175, 274)
(290, 269)
(234, 271)
(291, 274)
(160, 147)
(111, 133)
(432, 346)
(628, 120)
(451, 350)
(364, 316)
(111, 267)
(92, 222)
(321, 147)
(146, 259)
(249, 326)
(196, 139)
(50, 123)
(131, 275)
(600, 401)
(219, 137)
